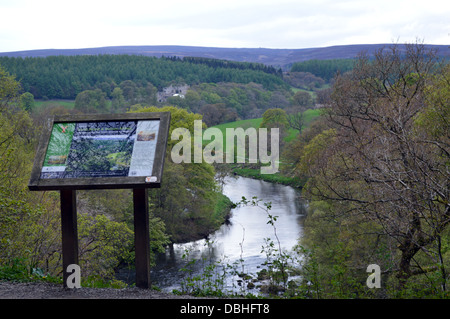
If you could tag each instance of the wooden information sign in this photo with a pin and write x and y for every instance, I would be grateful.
(103, 152)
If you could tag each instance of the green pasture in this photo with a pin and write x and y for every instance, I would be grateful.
(69, 104)
(310, 115)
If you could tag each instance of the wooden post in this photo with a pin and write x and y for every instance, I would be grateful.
(141, 237)
(69, 230)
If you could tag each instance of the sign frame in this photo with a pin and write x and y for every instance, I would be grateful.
(37, 183)
(68, 187)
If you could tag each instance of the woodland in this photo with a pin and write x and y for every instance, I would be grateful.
(375, 163)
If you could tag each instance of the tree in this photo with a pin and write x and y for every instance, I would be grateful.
(27, 232)
(382, 164)
(274, 118)
(326, 69)
(118, 100)
(324, 97)
(302, 99)
(17, 135)
(27, 100)
(91, 101)
(9, 88)
(214, 114)
(303, 80)
(129, 90)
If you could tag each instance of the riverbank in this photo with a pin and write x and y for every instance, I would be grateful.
(220, 214)
(277, 178)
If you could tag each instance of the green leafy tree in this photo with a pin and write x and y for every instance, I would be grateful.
(91, 101)
(27, 228)
(302, 99)
(118, 100)
(103, 244)
(274, 118)
(9, 88)
(27, 100)
(326, 69)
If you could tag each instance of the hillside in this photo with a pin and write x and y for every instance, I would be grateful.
(276, 57)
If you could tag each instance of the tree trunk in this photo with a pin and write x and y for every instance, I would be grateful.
(408, 249)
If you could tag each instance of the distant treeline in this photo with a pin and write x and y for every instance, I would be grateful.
(216, 63)
(325, 69)
(63, 77)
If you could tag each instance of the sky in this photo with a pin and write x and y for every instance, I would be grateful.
(278, 24)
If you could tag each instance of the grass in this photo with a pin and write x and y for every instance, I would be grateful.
(69, 104)
(310, 115)
(312, 93)
(277, 178)
(242, 123)
(222, 209)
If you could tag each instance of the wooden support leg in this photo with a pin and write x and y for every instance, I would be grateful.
(141, 237)
(69, 230)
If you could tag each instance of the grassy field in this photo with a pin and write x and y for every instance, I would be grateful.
(69, 104)
(310, 115)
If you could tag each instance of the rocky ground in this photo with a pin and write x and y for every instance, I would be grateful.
(35, 290)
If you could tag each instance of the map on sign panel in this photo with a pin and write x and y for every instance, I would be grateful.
(101, 149)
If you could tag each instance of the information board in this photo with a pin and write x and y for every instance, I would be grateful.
(101, 151)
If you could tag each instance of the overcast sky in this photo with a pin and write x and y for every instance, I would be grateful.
(296, 24)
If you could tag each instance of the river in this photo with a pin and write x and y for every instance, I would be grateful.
(240, 239)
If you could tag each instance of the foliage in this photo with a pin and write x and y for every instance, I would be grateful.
(232, 101)
(18, 270)
(275, 118)
(27, 230)
(103, 245)
(302, 99)
(304, 80)
(216, 63)
(63, 77)
(272, 178)
(9, 88)
(210, 282)
(91, 101)
(222, 91)
(382, 170)
(325, 69)
(27, 100)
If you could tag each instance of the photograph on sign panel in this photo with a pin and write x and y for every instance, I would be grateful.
(58, 150)
(101, 149)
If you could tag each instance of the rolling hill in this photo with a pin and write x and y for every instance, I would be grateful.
(276, 57)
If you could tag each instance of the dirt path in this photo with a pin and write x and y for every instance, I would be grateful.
(31, 290)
